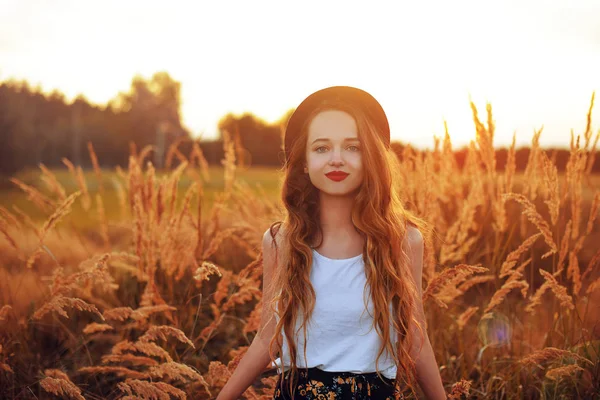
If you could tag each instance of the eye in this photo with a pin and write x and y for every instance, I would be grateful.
(321, 147)
(356, 147)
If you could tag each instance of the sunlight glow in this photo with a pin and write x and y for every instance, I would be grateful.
(423, 61)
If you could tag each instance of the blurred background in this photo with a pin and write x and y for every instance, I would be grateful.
(150, 72)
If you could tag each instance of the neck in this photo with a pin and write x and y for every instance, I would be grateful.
(336, 213)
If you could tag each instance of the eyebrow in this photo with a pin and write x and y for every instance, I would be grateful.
(345, 140)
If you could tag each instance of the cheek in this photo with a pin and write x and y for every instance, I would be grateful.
(316, 161)
(356, 161)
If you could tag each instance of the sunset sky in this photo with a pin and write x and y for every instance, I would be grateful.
(537, 62)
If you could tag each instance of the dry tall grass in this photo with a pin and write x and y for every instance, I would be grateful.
(164, 302)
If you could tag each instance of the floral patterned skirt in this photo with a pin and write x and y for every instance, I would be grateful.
(316, 384)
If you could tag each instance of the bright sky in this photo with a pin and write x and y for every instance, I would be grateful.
(536, 61)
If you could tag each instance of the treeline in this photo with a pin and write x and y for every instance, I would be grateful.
(43, 128)
(259, 143)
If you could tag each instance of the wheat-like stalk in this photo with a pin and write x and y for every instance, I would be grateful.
(201, 160)
(223, 287)
(53, 184)
(591, 265)
(592, 155)
(551, 182)
(96, 166)
(593, 286)
(513, 282)
(69, 165)
(138, 234)
(217, 374)
(588, 127)
(129, 359)
(593, 212)
(9, 218)
(574, 174)
(574, 272)
(86, 200)
(447, 275)
(463, 318)
(161, 332)
(175, 371)
(204, 271)
(117, 370)
(457, 243)
(4, 311)
(535, 218)
(148, 348)
(247, 291)
(254, 319)
(511, 164)
(95, 327)
(59, 303)
(6, 368)
(532, 167)
(522, 266)
(38, 198)
(141, 157)
(564, 247)
(60, 212)
(3, 366)
(513, 257)
(150, 390)
(98, 274)
(536, 299)
(172, 150)
(459, 389)
(228, 162)
(27, 220)
(475, 280)
(4, 230)
(485, 139)
(199, 234)
(103, 221)
(58, 383)
(561, 372)
(559, 291)
(550, 354)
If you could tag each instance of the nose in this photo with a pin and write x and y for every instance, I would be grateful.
(336, 158)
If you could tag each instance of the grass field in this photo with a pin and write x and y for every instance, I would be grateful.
(134, 289)
(263, 179)
(267, 180)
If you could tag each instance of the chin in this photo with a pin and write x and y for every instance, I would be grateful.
(345, 190)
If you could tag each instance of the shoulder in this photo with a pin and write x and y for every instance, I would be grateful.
(273, 236)
(413, 240)
(271, 243)
(413, 246)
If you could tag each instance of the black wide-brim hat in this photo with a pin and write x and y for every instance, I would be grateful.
(347, 94)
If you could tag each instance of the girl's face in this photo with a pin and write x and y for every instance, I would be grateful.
(333, 146)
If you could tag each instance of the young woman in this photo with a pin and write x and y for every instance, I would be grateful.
(342, 273)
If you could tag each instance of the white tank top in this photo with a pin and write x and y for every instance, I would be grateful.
(340, 336)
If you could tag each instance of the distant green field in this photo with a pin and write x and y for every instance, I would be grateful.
(268, 179)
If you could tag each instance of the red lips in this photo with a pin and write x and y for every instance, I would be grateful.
(337, 175)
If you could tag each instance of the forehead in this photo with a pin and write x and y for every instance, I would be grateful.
(332, 124)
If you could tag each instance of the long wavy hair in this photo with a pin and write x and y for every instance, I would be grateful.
(379, 217)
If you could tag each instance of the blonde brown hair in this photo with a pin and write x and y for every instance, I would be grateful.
(378, 216)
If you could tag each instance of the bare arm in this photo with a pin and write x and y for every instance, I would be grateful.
(428, 375)
(257, 357)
